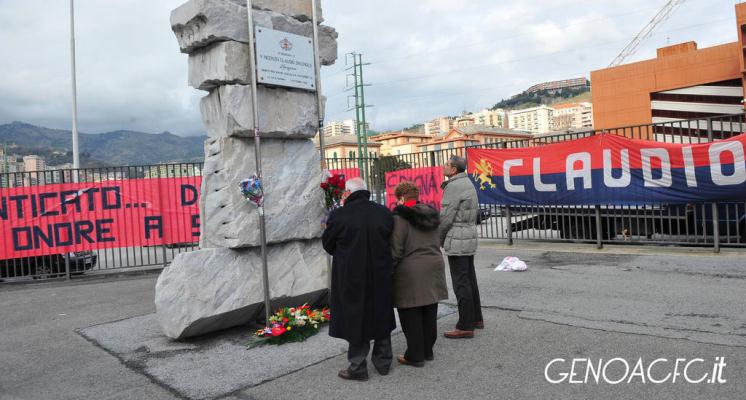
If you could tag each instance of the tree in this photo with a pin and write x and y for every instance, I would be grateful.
(383, 165)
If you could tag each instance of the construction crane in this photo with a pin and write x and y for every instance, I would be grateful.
(646, 32)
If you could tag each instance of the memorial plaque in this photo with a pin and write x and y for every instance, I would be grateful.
(284, 59)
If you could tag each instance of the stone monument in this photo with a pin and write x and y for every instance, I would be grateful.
(220, 285)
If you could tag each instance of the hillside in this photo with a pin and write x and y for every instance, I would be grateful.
(548, 97)
(111, 148)
(584, 96)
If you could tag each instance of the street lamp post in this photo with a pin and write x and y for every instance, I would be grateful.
(76, 147)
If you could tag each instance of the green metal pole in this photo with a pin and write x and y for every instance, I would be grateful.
(357, 114)
(362, 116)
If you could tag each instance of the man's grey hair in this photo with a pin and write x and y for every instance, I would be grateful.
(355, 184)
(459, 163)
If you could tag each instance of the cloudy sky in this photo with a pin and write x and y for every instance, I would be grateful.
(428, 57)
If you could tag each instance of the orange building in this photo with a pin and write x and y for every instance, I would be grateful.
(472, 135)
(403, 142)
(682, 82)
(345, 146)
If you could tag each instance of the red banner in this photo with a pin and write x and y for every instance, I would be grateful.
(348, 173)
(611, 170)
(60, 218)
(427, 179)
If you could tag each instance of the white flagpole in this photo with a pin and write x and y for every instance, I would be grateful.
(76, 148)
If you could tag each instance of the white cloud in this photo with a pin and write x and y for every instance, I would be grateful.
(428, 57)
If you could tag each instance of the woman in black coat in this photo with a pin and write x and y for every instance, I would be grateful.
(358, 236)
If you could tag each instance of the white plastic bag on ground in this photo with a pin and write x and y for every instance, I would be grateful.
(512, 264)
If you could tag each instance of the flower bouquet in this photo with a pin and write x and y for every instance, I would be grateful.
(294, 324)
(333, 188)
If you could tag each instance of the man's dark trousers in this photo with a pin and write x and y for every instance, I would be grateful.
(464, 279)
(381, 357)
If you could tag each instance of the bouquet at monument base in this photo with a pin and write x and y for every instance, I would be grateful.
(293, 324)
(333, 187)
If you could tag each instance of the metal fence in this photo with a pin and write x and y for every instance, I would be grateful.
(720, 224)
(94, 260)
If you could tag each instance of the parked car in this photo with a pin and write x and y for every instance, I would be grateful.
(179, 245)
(47, 266)
(574, 222)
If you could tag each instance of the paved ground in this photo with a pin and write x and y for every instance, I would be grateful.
(574, 302)
(212, 365)
(44, 358)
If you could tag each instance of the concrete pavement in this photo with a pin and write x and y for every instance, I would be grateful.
(507, 361)
(574, 302)
(44, 358)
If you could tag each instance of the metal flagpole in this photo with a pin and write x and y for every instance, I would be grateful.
(317, 67)
(258, 156)
(76, 148)
(319, 107)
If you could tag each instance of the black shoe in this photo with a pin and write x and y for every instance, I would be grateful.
(382, 371)
(403, 361)
(347, 375)
(429, 358)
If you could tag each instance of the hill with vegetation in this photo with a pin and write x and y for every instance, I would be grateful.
(547, 97)
(103, 149)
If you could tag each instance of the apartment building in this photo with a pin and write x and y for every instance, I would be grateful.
(535, 119)
(472, 135)
(396, 143)
(561, 84)
(34, 163)
(335, 128)
(494, 118)
(438, 126)
(572, 116)
(346, 127)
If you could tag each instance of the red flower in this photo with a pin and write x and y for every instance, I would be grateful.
(278, 331)
(324, 185)
(340, 181)
(285, 320)
(337, 192)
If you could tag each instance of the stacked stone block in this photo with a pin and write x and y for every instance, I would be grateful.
(220, 285)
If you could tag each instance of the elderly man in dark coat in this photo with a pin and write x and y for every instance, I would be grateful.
(358, 235)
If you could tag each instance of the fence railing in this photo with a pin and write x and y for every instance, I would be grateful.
(719, 224)
(80, 191)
